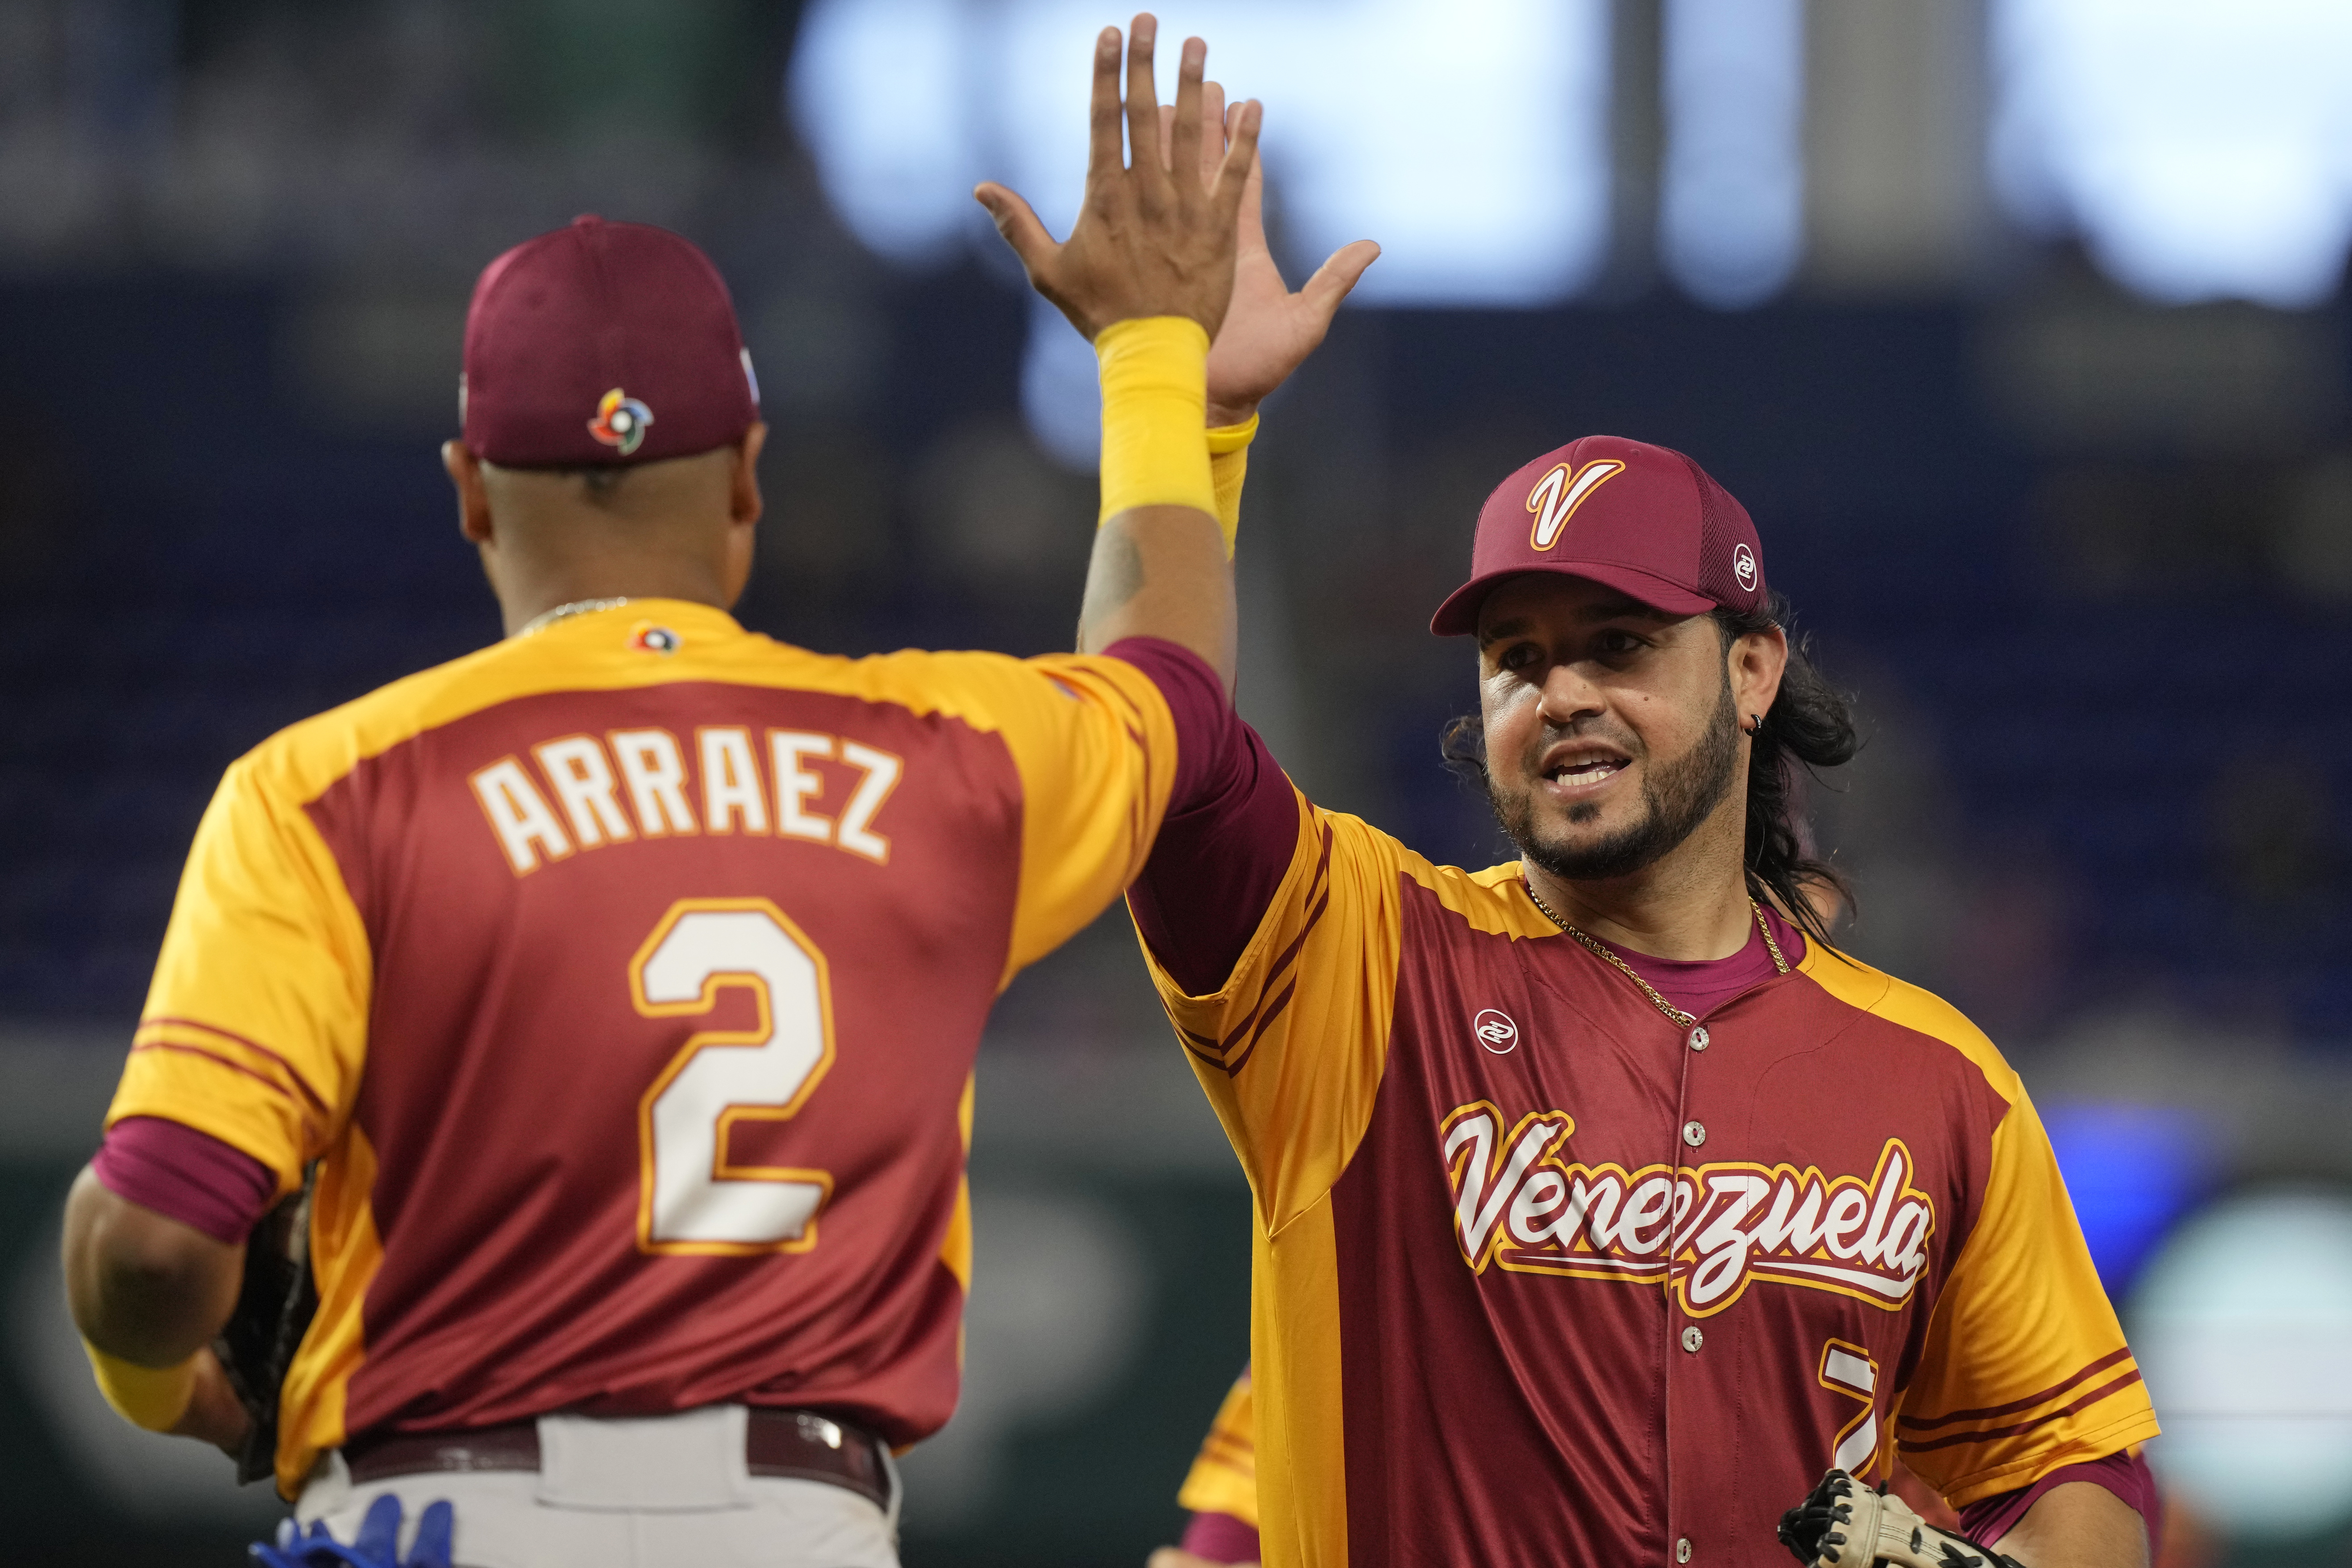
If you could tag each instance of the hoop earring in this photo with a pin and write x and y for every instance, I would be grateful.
(1755, 725)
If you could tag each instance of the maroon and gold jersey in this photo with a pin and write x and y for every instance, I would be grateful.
(625, 980)
(1542, 1277)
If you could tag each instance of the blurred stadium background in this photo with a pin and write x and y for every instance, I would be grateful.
(2016, 323)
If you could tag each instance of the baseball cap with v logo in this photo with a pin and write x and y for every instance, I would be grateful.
(1644, 520)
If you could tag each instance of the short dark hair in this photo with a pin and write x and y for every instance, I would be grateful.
(1810, 726)
(603, 480)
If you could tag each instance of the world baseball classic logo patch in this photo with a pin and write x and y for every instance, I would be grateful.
(620, 422)
(645, 637)
(1706, 1231)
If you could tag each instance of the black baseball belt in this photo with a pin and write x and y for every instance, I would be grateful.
(798, 1445)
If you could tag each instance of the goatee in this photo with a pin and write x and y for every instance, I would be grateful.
(1676, 797)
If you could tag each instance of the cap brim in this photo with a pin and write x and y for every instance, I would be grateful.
(1459, 616)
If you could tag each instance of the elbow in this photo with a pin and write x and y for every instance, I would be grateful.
(142, 1285)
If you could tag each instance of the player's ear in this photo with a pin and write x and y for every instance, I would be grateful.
(743, 503)
(1758, 660)
(472, 500)
(743, 507)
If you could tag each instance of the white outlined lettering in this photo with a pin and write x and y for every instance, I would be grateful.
(731, 786)
(854, 831)
(797, 786)
(656, 773)
(626, 786)
(520, 815)
(582, 781)
(1708, 1230)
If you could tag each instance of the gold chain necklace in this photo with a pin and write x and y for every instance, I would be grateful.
(1600, 950)
(538, 624)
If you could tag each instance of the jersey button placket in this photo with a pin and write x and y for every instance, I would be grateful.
(1692, 1133)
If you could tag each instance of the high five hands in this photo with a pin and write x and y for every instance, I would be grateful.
(1151, 239)
(1178, 231)
(1268, 330)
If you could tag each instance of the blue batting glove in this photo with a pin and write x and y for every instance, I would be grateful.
(377, 1545)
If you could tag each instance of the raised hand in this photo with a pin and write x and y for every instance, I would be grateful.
(1268, 330)
(1155, 234)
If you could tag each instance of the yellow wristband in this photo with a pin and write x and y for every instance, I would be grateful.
(1155, 392)
(1228, 466)
(149, 1396)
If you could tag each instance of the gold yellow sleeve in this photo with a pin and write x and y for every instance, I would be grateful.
(1095, 746)
(151, 1398)
(2025, 1368)
(1229, 447)
(1224, 1477)
(256, 1022)
(1154, 397)
(1291, 1049)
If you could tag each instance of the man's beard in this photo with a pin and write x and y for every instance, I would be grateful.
(1676, 797)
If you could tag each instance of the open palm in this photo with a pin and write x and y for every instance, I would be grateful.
(1268, 330)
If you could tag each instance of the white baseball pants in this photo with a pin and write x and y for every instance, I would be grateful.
(650, 1493)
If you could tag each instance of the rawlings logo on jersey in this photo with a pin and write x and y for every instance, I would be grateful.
(1708, 1230)
(1498, 1032)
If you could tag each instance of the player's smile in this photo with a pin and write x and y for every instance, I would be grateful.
(1576, 770)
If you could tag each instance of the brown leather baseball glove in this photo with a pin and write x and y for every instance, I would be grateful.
(1844, 1524)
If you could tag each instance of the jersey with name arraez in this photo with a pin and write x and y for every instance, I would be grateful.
(1544, 1277)
(624, 982)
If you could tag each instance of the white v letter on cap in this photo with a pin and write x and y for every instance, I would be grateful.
(1557, 494)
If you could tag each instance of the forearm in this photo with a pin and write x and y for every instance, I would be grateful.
(2078, 1525)
(1197, 588)
(1161, 571)
(149, 1294)
(1161, 565)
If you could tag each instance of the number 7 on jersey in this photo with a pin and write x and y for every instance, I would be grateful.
(691, 1199)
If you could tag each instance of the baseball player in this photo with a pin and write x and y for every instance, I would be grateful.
(1601, 1205)
(553, 1094)
(1219, 1490)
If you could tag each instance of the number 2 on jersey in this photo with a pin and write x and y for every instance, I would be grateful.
(691, 1199)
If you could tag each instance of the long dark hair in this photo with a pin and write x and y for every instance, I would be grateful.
(1809, 726)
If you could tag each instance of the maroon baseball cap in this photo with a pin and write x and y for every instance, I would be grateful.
(603, 343)
(1642, 519)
